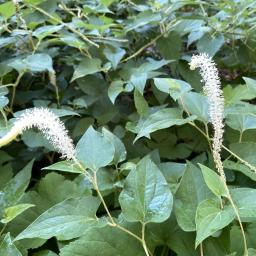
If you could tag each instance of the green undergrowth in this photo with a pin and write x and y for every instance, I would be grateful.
(117, 75)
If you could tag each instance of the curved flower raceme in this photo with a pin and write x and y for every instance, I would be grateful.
(49, 124)
(212, 88)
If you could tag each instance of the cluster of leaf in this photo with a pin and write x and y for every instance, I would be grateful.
(116, 72)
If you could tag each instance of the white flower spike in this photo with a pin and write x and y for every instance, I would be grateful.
(212, 88)
(49, 124)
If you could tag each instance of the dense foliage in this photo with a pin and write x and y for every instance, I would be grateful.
(117, 74)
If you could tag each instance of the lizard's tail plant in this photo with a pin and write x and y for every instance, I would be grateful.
(54, 130)
(212, 89)
(49, 124)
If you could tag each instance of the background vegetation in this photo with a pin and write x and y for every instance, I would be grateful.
(117, 74)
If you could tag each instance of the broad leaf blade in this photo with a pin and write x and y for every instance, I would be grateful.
(66, 220)
(196, 104)
(64, 166)
(15, 188)
(176, 88)
(160, 119)
(146, 196)
(120, 151)
(107, 241)
(94, 150)
(244, 199)
(87, 67)
(211, 218)
(213, 181)
(192, 190)
(12, 212)
(7, 248)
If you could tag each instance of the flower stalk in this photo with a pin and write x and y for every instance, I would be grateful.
(212, 89)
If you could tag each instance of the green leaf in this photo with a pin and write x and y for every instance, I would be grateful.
(114, 54)
(7, 248)
(3, 43)
(150, 65)
(213, 181)
(240, 92)
(12, 212)
(7, 9)
(120, 151)
(240, 168)
(54, 188)
(176, 88)
(115, 88)
(185, 26)
(211, 218)
(172, 172)
(244, 199)
(171, 41)
(15, 188)
(140, 103)
(146, 196)
(143, 19)
(196, 104)
(107, 241)
(245, 150)
(94, 150)
(106, 179)
(251, 252)
(39, 62)
(158, 120)
(87, 67)
(192, 190)
(3, 101)
(45, 31)
(210, 44)
(51, 190)
(64, 166)
(139, 80)
(66, 220)
(241, 122)
(72, 40)
(196, 35)
(35, 139)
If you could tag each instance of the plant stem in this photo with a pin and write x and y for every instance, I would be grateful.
(95, 184)
(112, 222)
(253, 168)
(4, 116)
(2, 230)
(208, 137)
(143, 239)
(126, 231)
(201, 250)
(240, 137)
(238, 218)
(142, 48)
(14, 89)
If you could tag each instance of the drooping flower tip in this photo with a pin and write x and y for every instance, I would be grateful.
(49, 124)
